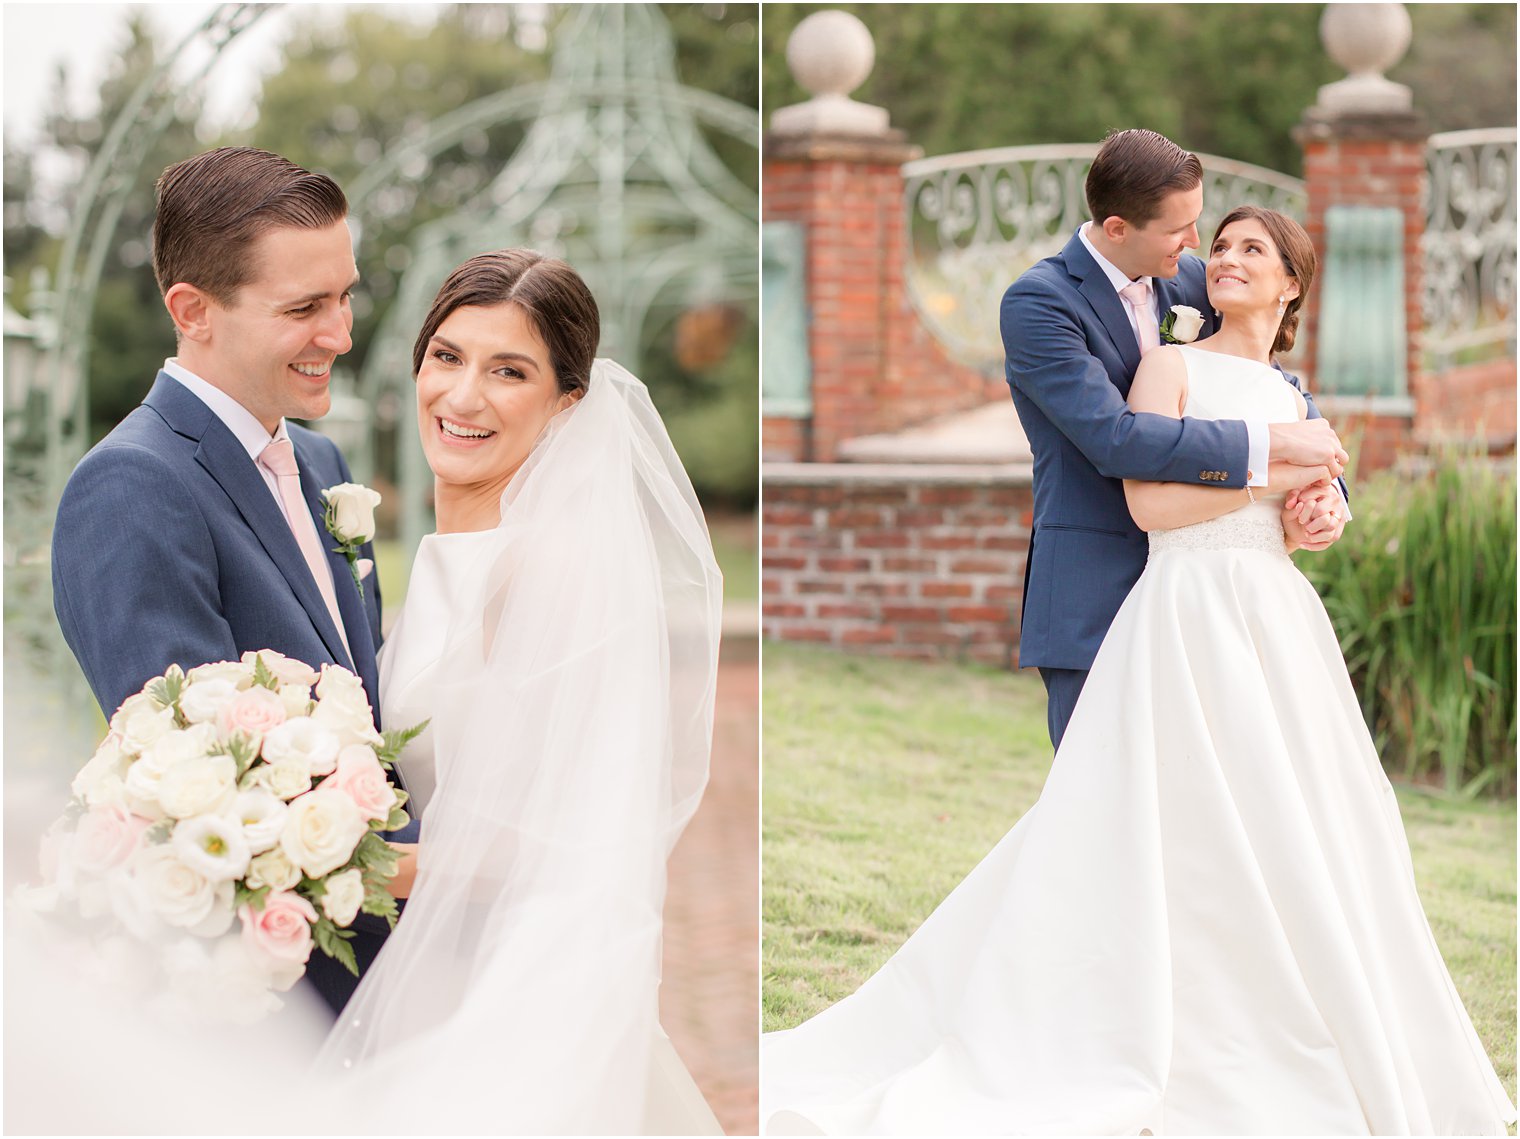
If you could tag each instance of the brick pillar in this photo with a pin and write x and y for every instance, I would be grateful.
(847, 194)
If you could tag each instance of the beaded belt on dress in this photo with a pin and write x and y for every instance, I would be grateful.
(1241, 531)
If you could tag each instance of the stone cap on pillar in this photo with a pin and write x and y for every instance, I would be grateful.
(830, 54)
(1365, 39)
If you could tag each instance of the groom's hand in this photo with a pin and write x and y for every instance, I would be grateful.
(1314, 518)
(1307, 443)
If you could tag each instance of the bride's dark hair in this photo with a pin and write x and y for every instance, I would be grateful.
(1297, 253)
(557, 301)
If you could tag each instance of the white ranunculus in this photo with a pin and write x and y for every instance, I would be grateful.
(345, 894)
(1187, 322)
(261, 814)
(305, 741)
(343, 707)
(213, 846)
(170, 889)
(203, 701)
(240, 674)
(273, 869)
(204, 785)
(321, 831)
(141, 786)
(285, 779)
(352, 510)
(181, 744)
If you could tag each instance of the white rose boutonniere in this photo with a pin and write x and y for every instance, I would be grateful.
(351, 520)
(1181, 325)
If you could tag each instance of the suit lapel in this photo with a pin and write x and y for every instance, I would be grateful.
(225, 460)
(1099, 293)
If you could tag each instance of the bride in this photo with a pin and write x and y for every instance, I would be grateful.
(1208, 924)
(560, 632)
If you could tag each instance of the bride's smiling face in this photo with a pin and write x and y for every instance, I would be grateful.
(1245, 269)
(485, 392)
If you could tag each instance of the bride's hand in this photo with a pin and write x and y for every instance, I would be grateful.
(1283, 477)
(406, 869)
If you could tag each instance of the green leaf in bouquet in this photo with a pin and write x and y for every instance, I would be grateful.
(242, 749)
(159, 832)
(334, 942)
(397, 740)
(374, 853)
(243, 896)
(378, 901)
(262, 677)
(399, 818)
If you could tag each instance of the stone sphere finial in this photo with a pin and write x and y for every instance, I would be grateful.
(1365, 39)
(830, 54)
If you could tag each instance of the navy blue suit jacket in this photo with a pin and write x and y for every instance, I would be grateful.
(169, 549)
(1071, 355)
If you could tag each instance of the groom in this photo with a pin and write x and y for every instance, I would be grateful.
(1074, 327)
(194, 532)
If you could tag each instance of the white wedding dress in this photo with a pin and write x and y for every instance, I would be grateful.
(1207, 924)
(567, 661)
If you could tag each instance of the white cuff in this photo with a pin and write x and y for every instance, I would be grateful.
(1346, 506)
(1258, 451)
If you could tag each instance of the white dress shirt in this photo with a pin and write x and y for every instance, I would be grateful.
(1258, 438)
(245, 427)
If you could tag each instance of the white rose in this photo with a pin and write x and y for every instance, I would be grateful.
(321, 831)
(177, 894)
(286, 670)
(305, 741)
(352, 510)
(345, 894)
(145, 725)
(212, 846)
(241, 675)
(261, 814)
(204, 700)
(343, 707)
(274, 870)
(1187, 322)
(297, 698)
(101, 782)
(200, 786)
(285, 780)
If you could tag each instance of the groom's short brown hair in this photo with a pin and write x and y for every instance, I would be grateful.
(1133, 171)
(211, 208)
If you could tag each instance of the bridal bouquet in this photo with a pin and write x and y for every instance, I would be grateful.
(227, 826)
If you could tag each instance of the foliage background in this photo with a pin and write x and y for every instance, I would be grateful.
(352, 81)
(1226, 79)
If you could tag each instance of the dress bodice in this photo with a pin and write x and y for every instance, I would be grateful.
(410, 658)
(1232, 387)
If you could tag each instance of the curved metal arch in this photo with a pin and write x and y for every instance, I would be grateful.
(108, 184)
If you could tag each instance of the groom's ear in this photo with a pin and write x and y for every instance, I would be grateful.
(1114, 228)
(190, 309)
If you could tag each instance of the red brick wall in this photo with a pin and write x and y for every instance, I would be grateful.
(1474, 400)
(896, 561)
(875, 367)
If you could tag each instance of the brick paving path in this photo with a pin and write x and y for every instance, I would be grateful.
(710, 999)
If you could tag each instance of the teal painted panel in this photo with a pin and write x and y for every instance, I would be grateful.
(786, 373)
(1361, 340)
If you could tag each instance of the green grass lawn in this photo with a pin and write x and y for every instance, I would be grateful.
(886, 781)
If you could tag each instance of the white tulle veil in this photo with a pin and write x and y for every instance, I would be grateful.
(571, 732)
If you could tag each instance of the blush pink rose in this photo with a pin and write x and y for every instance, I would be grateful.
(360, 777)
(282, 929)
(254, 710)
(106, 837)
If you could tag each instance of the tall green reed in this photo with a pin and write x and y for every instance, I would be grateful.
(1421, 590)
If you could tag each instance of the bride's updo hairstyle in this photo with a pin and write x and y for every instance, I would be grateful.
(1297, 253)
(557, 301)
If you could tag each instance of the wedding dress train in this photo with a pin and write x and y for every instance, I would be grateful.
(1207, 924)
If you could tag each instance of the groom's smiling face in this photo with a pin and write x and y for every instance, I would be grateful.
(273, 346)
(1155, 249)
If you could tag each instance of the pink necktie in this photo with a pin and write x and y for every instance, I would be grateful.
(1138, 294)
(280, 459)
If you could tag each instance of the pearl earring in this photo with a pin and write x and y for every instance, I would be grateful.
(1282, 304)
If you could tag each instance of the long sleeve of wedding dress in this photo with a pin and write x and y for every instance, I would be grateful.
(572, 707)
